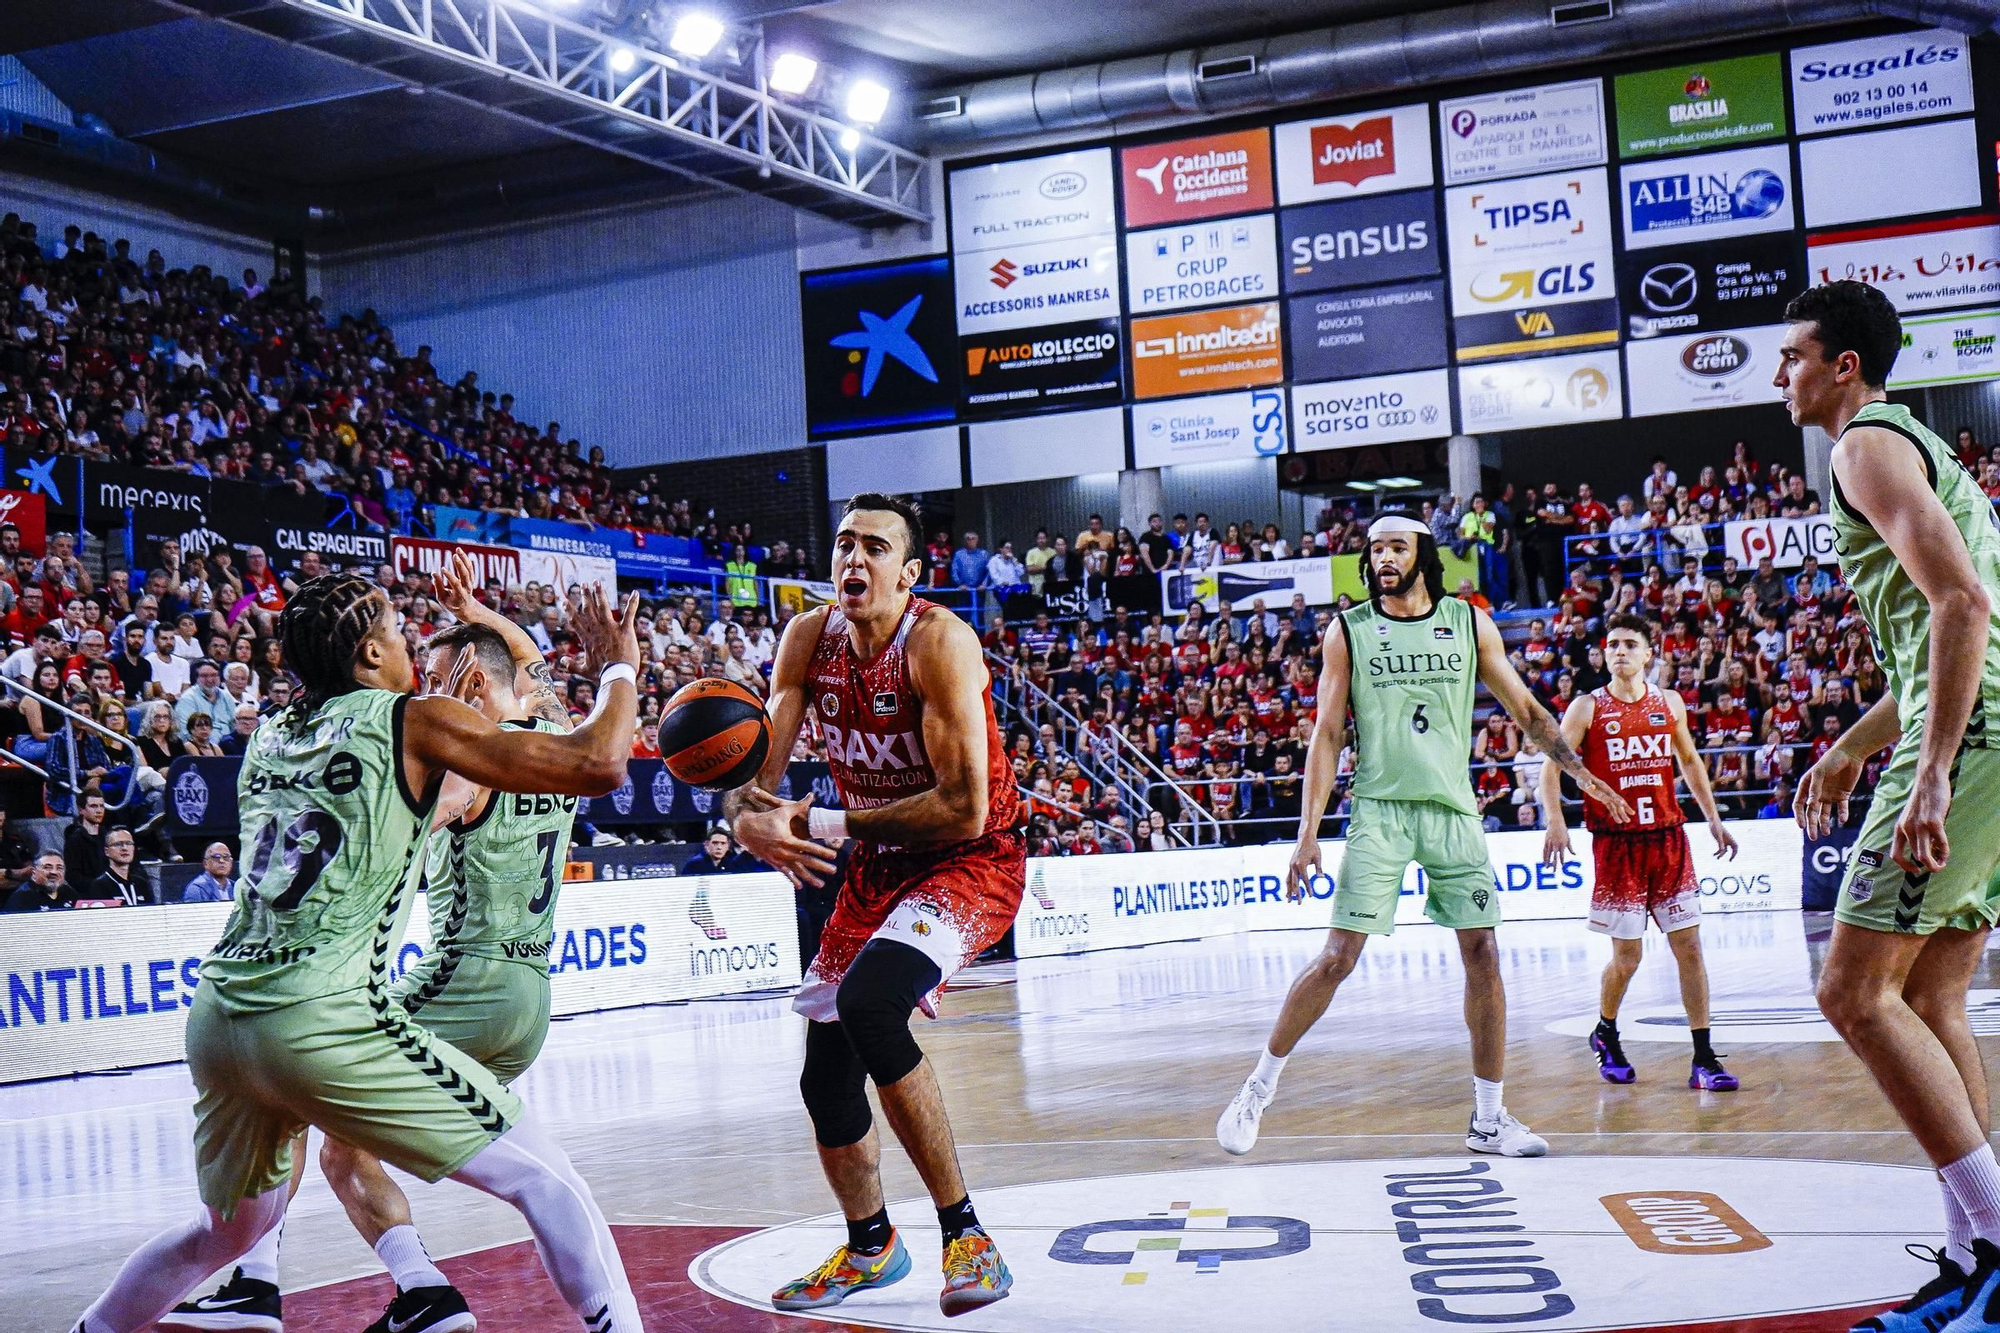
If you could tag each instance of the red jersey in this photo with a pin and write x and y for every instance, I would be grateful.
(1631, 747)
(873, 723)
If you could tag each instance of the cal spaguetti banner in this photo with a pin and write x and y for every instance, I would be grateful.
(880, 347)
(1369, 331)
(1713, 104)
(1357, 242)
(1730, 284)
(1056, 366)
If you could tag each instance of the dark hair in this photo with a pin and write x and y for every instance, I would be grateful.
(322, 627)
(1852, 317)
(489, 648)
(1430, 565)
(913, 526)
(1638, 625)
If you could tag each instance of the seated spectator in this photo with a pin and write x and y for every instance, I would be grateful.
(237, 742)
(200, 742)
(120, 881)
(46, 889)
(17, 862)
(217, 881)
(718, 856)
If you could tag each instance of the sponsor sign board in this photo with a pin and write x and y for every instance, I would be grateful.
(1063, 444)
(1881, 80)
(1349, 413)
(1737, 193)
(1370, 331)
(1917, 265)
(1692, 372)
(1931, 168)
(421, 555)
(1018, 286)
(1338, 157)
(1716, 103)
(1724, 284)
(564, 569)
(1548, 391)
(28, 512)
(1060, 196)
(879, 346)
(1535, 241)
(1533, 330)
(1217, 428)
(1232, 348)
(1196, 178)
(1276, 581)
(1788, 541)
(1948, 349)
(1522, 130)
(1353, 242)
(1060, 365)
(1204, 263)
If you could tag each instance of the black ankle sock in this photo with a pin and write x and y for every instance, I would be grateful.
(1704, 1054)
(957, 1219)
(867, 1235)
(1606, 1027)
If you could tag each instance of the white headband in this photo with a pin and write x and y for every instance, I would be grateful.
(1389, 523)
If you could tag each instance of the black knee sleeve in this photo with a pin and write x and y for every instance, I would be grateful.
(831, 1084)
(875, 1000)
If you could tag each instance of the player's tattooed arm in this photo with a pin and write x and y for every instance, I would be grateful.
(1534, 720)
(543, 699)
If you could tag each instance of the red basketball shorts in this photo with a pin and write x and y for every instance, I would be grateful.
(950, 905)
(1640, 875)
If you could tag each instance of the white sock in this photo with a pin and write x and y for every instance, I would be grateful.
(1269, 1066)
(262, 1261)
(1957, 1228)
(1486, 1104)
(1975, 1179)
(401, 1250)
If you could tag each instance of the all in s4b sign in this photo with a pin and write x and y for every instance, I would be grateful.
(1738, 193)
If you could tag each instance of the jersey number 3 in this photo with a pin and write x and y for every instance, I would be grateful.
(546, 844)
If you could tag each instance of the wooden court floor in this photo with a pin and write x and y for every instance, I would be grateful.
(1084, 1093)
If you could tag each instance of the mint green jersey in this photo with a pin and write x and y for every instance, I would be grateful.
(1897, 612)
(329, 832)
(1411, 691)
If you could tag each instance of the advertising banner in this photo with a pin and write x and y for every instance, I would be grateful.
(655, 555)
(1958, 348)
(1918, 265)
(1536, 330)
(1202, 177)
(1694, 372)
(1738, 193)
(562, 571)
(1730, 284)
(1276, 581)
(452, 524)
(548, 534)
(88, 991)
(1550, 391)
(800, 595)
(1060, 196)
(1202, 264)
(28, 512)
(1217, 428)
(1381, 410)
(1711, 105)
(1058, 444)
(1355, 242)
(1232, 348)
(1536, 241)
(1523, 130)
(422, 555)
(879, 346)
(1825, 864)
(285, 544)
(1077, 904)
(1788, 541)
(1027, 370)
(1930, 168)
(1021, 285)
(1881, 80)
(1374, 331)
(1338, 157)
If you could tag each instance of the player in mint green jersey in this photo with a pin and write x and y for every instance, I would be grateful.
(1918, 543)
(1408, 661)
(294, 1025)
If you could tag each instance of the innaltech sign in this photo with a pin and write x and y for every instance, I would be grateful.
(1917, 265)
(1383, 409)
(1731, 284)
(1021, 285)
(1737, 193)
(1958, 348)
(1338, 157)
(1712, 104)
(1215, 428)
(1547, 391)
(1719, 368)
(1355, 242)
(1060, 196)
(1368, 331)
(1881, 80)
(1540, 240)
(1203, 263)
(1237, 347)
(1196, 178)
(1522, 130)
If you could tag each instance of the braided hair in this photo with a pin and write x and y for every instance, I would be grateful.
(321, 629)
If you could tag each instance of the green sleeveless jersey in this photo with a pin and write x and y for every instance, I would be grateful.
(1897, 613)
(1412, 697)
(329, 832)
(492, 883)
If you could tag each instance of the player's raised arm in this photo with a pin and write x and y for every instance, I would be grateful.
(1534, 720)
(1329, 738)
(453, 585)
(1696, 773)
(1575, 726)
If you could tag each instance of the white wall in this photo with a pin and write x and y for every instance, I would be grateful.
(51, 206)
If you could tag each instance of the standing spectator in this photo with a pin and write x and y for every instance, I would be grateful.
(1004, 571)
(1156, 548)
(1095, 536)
(1037, 559)
(217, 881)
(742, 581)
(1479, 530)
(968, 563)
(1202, 550)
(938, 557)
(1554, 521)
(46, 890)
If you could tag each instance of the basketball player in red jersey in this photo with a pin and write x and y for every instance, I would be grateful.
(901, 694)
(1629, 734)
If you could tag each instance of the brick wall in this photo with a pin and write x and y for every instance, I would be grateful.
(781, 494)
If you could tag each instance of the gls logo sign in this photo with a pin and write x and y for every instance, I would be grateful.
(1526, 284)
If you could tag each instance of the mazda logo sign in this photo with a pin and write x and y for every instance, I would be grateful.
(1668, 287)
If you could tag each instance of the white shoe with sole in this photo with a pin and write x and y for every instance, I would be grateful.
(1236, 1130)
(1507, 1137)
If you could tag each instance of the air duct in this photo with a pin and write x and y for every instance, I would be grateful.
(1472, 41)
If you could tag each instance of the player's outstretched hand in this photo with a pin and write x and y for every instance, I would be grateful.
(777, 837)
(1555, 845)
(1725, 842)
(453, 585)
(1920, 846)
(1597, 789)
(1305, 864)
(607, 636)
(1821, 803)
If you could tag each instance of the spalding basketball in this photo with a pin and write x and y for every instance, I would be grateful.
(714, 734)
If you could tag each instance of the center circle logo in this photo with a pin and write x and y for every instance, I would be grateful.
(1606, 1243)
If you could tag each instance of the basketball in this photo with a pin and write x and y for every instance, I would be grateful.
(714, 735)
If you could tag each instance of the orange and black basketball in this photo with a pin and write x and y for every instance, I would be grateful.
(714, 734)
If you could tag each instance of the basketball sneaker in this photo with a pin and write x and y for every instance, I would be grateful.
(240, 1305)
(974, 1273)
(425, 1310)
(1980, 1312)
(1612, 1066)
(1506, 1136)
(843, 1274)
(1236, 1129)
(1931, 1307)
(1711, 1077)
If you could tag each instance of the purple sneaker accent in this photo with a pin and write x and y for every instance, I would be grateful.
(1711, 1078)
(1611, 1066)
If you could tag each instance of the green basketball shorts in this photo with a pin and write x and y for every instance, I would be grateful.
(495, 1010)
(1878, 894)
(351, 1063)
(1383, 837)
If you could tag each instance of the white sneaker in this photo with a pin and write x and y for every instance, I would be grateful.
(1507, 1137)
(1236, 1130)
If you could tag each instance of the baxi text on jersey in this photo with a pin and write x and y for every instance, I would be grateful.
(863, 749)
(1621, 748)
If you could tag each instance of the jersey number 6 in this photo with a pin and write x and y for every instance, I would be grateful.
(1418, 722)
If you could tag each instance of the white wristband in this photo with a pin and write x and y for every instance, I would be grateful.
(617, 671)
(826, 825)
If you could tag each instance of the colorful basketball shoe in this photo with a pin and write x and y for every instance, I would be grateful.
(1612, 1066)
(843, 1274)
(1711, 1077)
(1980, 1312)
(974, 1273)
(1931, 1308)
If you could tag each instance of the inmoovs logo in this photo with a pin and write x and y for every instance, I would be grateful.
(1683, 1222)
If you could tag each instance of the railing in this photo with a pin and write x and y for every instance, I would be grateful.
(118, 740)
(1650, 546)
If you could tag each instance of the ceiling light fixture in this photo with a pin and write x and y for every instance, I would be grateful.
(623, 58)
(867, 101)
(793, 73)
(695, 34)
(850, 140)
